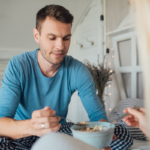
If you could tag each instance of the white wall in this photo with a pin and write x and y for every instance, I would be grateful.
(17, 20)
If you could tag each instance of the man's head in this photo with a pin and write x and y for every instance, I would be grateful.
(53, 32)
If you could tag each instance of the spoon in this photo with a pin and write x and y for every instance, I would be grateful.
(124, 115)
(77, 124)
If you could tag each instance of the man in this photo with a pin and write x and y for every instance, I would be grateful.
(38, 85)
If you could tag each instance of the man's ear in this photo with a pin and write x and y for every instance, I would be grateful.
(36, 35)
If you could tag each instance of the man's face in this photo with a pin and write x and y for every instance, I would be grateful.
(54, 40)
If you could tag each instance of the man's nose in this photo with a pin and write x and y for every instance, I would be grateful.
(60, 44)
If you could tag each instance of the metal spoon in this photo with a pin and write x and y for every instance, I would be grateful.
(77, 124)
(124, 115)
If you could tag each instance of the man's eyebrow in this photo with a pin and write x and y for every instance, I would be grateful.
(58, 36)
(67, 35)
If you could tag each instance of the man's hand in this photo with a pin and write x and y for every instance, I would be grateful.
(136, 118)
(108, 148)
(44, 117)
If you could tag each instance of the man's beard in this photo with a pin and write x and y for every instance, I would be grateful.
(48, 59)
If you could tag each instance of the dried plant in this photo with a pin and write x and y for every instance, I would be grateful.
(101, 76)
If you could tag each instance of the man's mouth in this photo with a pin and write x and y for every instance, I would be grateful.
(58, 54)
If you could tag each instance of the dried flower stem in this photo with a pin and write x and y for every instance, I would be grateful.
(101, 76)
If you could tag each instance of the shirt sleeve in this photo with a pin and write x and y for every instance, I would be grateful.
(87, 92)
(10, 91)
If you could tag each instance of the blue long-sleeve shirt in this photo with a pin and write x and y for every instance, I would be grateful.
(25, 89)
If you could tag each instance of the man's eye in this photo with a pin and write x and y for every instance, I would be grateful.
(52, 39)
(66, 39)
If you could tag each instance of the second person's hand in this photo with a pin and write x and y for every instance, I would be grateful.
(136, 118)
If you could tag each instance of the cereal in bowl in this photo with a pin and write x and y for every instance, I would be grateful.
(92, 129)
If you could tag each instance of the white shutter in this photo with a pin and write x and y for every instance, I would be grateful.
(128, 71)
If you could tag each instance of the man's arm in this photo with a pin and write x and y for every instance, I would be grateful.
(14, 129)
(10, 95)
(18, 129)
(103, 120)
(86, 90)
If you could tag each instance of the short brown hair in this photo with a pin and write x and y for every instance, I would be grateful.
(56, 11)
